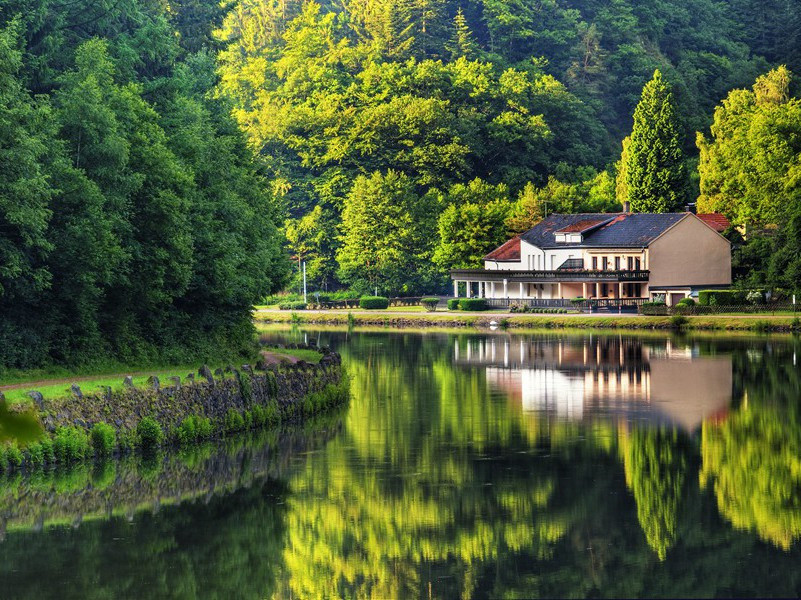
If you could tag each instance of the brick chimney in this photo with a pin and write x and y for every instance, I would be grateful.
(626, 206)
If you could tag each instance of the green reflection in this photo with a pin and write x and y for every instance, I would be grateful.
(19, 427)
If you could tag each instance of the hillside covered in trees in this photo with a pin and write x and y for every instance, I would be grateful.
(409, 136)
(163, 159)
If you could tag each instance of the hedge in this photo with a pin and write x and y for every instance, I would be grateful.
(292, 306)
(721, 297)
(374, 303)
(430, 304)
(472, 304)
(453, 304)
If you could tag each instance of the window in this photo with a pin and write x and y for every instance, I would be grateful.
(606, 263)
(631, 263)
(637, 264)
(617, 263)
(594, 263)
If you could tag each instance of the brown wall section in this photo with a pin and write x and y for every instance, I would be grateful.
(690, 254)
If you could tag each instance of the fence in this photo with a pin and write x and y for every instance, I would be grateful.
(771, 308)
(594, 305)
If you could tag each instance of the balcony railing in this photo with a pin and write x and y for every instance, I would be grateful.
(550, 276)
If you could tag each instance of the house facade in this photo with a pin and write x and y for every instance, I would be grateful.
(623, 257)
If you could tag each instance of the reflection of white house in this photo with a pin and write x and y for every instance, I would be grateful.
(606, 256)
(572, 379)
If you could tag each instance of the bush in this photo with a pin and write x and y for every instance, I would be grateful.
(430, 304)
(292, 306)
(193, 429)
(686, 302)
(473, 304)
(104, 438)
(234, 421)
(656, 308)
(13, 457)
(70, 445)
(149, 434)
(374, 303)
(678, 321)
(578, 300)
(720, 297)
(453, 304)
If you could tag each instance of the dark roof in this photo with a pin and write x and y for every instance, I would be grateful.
(509, 251)
(585, 225)
(716, 221)
(624, 230)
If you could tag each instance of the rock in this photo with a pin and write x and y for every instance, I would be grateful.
(176, 382)
(76, 391)
(154, 382)
(128, 382)
(191, 378)
(247, 369)
(229, 369)
(79, 423)
(219, 373)
(204, 371)
(38, 399)
(107, 393)
(2, 397)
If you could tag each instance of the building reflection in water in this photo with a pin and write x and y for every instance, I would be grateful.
(661, 381)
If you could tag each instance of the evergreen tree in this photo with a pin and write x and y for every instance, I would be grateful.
(656, 178)
(462, 42)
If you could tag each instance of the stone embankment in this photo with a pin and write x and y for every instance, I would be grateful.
(205, 394)
(188, 411)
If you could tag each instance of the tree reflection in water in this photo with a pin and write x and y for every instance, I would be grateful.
(478, 466)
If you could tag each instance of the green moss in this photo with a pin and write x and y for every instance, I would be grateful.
(233, 421)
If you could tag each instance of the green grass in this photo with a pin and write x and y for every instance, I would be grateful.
(58, 386)
(529, 321)
(310, 356)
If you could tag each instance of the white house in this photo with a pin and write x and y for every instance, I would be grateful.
(614, 257)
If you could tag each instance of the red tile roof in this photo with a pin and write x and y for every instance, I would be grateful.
(582, 226)
(509, 251)
(716, 221)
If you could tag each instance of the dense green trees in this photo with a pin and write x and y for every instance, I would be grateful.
(133, 218)
(524, 93)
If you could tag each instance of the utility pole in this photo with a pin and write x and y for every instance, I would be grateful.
(305, 296)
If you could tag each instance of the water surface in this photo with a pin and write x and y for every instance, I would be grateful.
(467, 465)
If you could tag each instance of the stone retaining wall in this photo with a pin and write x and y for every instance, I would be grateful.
(205, 394)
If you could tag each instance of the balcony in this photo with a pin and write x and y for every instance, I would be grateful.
(558, 276)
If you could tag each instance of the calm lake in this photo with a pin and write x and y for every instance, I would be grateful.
(467, 465)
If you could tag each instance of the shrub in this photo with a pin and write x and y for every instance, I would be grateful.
(234, 421)
(104, 438)
(374, 303)
(193, 429)
(686, 302)
(13, 457)
(755, 297)
(762, 326)
(292, 306)
(70, 445)
(430, 304)
(678, 321)
(578, 300)
(149, 434)
(720, 297)
(453, 304)
(472, 304)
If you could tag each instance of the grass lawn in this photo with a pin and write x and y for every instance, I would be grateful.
(310, 356)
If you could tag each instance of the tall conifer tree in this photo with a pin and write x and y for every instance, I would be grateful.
(656, 179)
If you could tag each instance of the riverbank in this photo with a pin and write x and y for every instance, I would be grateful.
(182, 412)
(483, 320)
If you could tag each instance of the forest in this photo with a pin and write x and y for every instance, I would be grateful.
(165, 162)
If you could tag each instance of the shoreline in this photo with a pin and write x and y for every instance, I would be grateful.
(204, 407)
(458, 320)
